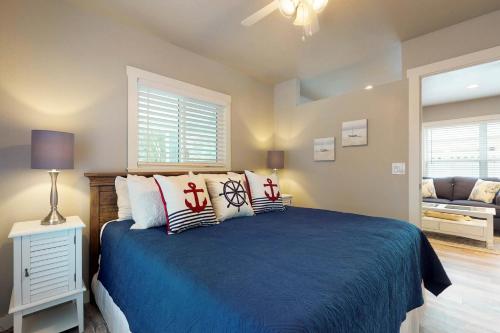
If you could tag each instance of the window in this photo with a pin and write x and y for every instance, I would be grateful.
(467, 147)
(176, 125)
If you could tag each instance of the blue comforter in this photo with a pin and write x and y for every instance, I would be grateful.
(302, 270)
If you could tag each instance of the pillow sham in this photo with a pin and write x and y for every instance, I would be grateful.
(428, 189)
(123, 201)
(264, 192)
(146, 203)
(484, 191)
(229, 196)
(186, 202)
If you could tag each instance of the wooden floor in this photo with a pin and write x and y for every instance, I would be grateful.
(472, 303)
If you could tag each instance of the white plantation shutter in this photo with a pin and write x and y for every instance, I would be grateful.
(178, 124)
(468, 148)
(493, 148)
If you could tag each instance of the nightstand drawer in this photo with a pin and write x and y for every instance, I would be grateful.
(48, 265)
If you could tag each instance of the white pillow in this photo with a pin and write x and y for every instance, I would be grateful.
(146, 202)
(229, 196)
(186, 202)
(123, 201)
(484, 191)
(428, 189)
(264, 192)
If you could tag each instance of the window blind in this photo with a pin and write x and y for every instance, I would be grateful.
(173, 128)
(470, 149)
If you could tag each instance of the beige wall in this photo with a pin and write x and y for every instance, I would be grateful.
(64, 69)
(466, 109)
(470, 36)
(360, 178)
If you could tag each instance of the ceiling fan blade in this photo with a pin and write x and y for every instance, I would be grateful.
(260, 14)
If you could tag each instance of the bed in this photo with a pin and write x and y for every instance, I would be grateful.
(302, 270)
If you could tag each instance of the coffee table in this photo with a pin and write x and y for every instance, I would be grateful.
(479, 228)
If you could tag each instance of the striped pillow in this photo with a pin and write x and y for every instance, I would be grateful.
(264, 192)
(186, 202)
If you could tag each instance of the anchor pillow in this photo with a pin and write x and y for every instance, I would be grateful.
(264, 192)
(229, 196)
(186, 202)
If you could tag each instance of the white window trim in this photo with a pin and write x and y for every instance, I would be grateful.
(458, 121)
(182, 88)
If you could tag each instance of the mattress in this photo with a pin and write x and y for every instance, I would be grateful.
(301, 270)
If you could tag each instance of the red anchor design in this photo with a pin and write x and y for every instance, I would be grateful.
(197, 208)
(273, 197)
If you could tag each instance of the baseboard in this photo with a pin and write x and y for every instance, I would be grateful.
(5, 323)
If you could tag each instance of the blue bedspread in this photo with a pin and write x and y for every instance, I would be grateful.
(302, 270)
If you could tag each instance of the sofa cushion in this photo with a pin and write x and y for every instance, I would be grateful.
(438, 201)
(444, 188)
(463, 187)
(497, 199)
(476, 204)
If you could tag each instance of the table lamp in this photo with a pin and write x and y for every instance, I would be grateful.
(51, 150)
(275, 159)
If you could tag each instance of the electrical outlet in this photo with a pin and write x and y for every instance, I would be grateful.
(399, 168)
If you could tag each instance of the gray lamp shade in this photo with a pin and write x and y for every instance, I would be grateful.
(276, 159)
(51, 150)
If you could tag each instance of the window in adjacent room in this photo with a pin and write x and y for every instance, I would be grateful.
(176, 125)
(466, 147)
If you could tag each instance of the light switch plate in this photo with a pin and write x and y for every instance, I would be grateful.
(399, 168)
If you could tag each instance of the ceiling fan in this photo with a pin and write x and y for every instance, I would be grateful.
(303, 12)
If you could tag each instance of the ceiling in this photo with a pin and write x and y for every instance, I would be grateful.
(272, 50)
(461, 85)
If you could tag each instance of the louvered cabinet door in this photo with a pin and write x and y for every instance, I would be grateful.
(48, 265)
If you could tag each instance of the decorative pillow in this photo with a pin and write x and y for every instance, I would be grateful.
(123, 201)
(229, 196)
(485, 191)
(186, 202)
(145, 200)
(428, 189)
(264, 192)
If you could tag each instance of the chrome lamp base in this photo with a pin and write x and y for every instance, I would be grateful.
(54, 217)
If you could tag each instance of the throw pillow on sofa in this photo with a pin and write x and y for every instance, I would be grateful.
(428, 189)
(484, 191)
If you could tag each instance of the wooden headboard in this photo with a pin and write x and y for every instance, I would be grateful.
(103, 207)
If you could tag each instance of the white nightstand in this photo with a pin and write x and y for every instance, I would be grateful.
(287, 199)
(48, 288)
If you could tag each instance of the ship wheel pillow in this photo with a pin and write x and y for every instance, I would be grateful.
(229, 196)
(186, 202)
(264, 192)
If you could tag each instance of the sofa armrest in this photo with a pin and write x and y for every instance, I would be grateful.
(497, 200)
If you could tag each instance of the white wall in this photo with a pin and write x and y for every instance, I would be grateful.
(62, 68)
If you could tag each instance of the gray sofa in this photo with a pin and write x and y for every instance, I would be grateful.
(456, 190)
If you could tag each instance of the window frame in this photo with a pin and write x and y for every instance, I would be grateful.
(451, 122)
(184, 89)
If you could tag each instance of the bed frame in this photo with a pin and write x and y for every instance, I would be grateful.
(103, 207)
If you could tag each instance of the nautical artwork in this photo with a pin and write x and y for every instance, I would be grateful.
(324, 149)
(355, 133)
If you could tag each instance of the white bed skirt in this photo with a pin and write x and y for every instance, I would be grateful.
(117, 322)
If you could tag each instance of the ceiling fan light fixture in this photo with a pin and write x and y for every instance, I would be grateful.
(318, 5)
(287, 7)
(303, 16)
